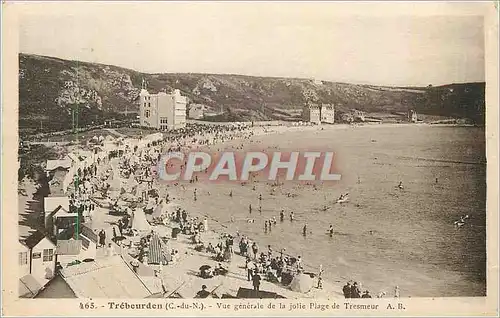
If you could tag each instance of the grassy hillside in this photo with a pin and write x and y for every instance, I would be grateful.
(49, 88)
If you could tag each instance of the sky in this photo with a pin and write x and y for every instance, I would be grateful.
(324, 41)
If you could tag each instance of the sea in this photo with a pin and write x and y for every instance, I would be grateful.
(384, 236)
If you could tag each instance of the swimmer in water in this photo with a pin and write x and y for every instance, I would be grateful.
(330, 230)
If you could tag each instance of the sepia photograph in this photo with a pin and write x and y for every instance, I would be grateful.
(273, 150)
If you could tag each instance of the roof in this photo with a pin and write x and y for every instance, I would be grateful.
(86, 230)
(50, 204)
(35, 238)
(56, 288)
(104, 278)
(23, 246)
(28, 286)
(54, 164)
(68, 247)
(60, 212)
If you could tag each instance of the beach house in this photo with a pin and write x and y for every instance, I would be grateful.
(51, 206)
(42, 258)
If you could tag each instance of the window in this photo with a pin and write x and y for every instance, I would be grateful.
(149, 104)
(23, 258)
(48, 254)
(147, 113)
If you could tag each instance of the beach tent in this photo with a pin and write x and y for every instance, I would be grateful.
(158, 211)
(157, 251)
(301, 283)
(115, 183)
(150, 204)
(139, 221)
(131, 183)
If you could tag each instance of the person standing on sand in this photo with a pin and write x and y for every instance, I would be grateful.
(250, 208)
(330, 230)
(114, 234)
(205, 225)
(282, 215)
(355, 292)
(304, 230)
(281, 253)
(347, 290)
(396, 292)
(250, 268)
(120, 227)
(255, 250)
(102, 238)
(320, 279)
(291, 216)
(256, 281)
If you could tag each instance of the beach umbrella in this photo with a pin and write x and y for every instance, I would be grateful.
(158, 211)
(301, 283)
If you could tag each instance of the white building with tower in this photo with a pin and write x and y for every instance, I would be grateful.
(162, 111)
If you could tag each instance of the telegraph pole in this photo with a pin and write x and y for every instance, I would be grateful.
(75, 131)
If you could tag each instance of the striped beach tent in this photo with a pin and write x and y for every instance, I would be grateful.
(156, 255)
